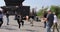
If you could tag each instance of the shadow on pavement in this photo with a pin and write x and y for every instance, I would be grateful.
(26, 24)
(38, 26)
(29, 30)
(14, 25)
(8, 28)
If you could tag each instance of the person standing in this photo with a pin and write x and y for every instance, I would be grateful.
(1, 18)
(45, 15)
(7, 16)
(50, 18)
(15, 15)
(55, 23)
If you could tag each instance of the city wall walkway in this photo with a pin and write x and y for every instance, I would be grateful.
(13, 27)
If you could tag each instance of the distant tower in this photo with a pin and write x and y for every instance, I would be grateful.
(16, 6)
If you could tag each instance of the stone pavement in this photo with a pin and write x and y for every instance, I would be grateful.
(13, 27)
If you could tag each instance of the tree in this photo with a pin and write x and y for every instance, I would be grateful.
(56, 9)
(41, 11)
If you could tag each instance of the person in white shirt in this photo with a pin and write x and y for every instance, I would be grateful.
(31, 21)
(55, 23)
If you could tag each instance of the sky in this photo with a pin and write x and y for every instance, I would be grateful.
(36, 3)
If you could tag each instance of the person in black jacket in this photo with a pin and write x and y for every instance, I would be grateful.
(45, 15)
(19, 20)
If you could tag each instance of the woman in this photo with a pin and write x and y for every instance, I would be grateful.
(55, 23)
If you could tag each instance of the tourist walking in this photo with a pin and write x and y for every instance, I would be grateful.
(45, 15)
(55, 25)
(20, 21)
(50, 18)
(15, 16)
(1, 18)
(31, 21)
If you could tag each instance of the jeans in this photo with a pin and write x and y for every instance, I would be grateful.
(48, 27)
(55, 26)
(1, 22)
(8, 21)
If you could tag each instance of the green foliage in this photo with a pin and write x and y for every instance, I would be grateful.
(41, 11)
(56, 9)
(53, 8)
(59, 16)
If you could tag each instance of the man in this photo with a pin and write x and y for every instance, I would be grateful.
(50, 18)
(1, 17)
(15, 15)
(45, 15)
(7, 16)
(19, 20)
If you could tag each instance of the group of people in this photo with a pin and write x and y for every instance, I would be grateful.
(50, 19)
(18, 18)
(1, 17)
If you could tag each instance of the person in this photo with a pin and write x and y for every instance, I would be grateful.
(15, 15)
(27, 18)
(55, 23)
(49, 18)
(1, 18)
(7, 16)
(31, 21)
(45, 15)
(19, 20)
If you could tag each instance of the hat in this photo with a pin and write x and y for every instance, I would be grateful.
(48, 9)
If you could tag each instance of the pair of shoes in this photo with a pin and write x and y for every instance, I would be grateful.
(32, 25)
(19, 26)
(0, 26)
(7, 24)
(44, 27)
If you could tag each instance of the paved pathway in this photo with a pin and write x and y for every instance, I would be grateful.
(13, 27)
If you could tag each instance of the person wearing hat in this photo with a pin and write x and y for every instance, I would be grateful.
(1, 17)
(49, 19)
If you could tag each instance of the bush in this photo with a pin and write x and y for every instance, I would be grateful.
(59, 16)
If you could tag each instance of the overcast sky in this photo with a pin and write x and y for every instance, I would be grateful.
(36, 3)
